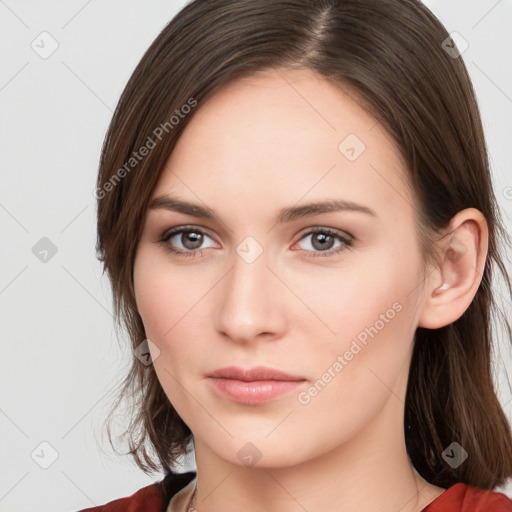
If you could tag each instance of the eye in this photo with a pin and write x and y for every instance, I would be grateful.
(190, 238)
(322, 240)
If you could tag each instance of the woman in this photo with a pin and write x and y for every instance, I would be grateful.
(296, 213)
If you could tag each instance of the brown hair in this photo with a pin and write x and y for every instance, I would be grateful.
(389, 54)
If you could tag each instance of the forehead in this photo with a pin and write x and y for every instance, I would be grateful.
(282, 135)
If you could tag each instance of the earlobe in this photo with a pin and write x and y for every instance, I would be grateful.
(452, 287)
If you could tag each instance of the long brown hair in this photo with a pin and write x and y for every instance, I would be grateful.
(391, 55)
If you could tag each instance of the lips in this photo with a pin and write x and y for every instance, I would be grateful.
(252, 374)
(252, 386)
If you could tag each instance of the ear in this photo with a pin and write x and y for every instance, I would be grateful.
(454, 282)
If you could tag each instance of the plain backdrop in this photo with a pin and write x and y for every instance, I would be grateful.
(63, 67)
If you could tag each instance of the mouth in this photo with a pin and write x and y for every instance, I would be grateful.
(252, 385)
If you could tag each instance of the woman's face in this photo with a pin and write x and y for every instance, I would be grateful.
(332, 298)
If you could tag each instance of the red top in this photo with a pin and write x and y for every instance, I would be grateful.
(465, 498)
(155, 498)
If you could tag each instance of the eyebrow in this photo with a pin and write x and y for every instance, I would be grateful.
(287, 214)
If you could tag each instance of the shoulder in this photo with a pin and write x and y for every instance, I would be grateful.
(466, 498)
(152, 498)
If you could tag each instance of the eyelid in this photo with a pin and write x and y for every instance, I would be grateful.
(346, 238)
(185, 227)
(169, 233)
(306, 231)
(325, 229)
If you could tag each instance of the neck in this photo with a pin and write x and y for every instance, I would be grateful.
(370, 471)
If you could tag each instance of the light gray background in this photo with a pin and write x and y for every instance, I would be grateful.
(59, 355)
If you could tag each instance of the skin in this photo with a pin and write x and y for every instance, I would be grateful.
(257, 145)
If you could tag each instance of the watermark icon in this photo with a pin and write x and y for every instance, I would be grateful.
(454, 45)
(507, 192)
(351, 147)
(305, 397)
(145, 149)
(44, 45)
(249, 455)
(147, 352)
(44, 250)
(249, 249)
(454, 455)
(44, 455)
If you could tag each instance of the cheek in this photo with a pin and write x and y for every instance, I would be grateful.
(359, 370)
(171, 301)
(367, 315)
(165, 303)
(344, 300)
(162, 296)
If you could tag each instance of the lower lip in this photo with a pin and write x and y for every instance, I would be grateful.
(253, 392)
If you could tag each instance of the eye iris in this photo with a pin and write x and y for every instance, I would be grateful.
(191, 239)
(322, 237)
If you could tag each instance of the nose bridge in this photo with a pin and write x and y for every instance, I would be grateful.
(249, 304)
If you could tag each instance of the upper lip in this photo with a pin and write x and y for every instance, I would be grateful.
(252, 374)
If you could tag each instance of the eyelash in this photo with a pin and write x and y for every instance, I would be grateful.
(348, 242)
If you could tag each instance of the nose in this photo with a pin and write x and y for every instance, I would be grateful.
(251, 302)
